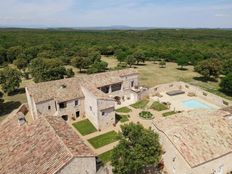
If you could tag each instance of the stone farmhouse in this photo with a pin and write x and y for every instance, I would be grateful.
(48, 145)
(94, 96)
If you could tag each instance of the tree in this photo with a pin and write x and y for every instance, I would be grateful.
(121, 56)
(227, 66)
(10, 79)
(70, 72)
(80, 62)
(99, 66)
(21, 63)
(2, 55)
(162, 63)
(226, 84)
(46, 70)
(139, 56)
(138, 147)
(130, 60)
(13, 53)
(209, 68)
(94, 56)
(182, 61)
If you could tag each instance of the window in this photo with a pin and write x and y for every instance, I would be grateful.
(49, 107)
(62, 105)
(76, 102)
(103, 113)
(105, 89)
(132, 84)
(90, 108)
(116, 87)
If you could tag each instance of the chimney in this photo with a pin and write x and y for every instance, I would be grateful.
(63, 86)
(21, 119)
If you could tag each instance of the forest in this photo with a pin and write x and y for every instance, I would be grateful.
(43, 53)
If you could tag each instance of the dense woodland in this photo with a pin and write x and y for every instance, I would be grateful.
(43, 54)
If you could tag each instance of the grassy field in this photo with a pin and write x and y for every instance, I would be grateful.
(150, 74)
(85, 127)
(12, 101)
(104, 139)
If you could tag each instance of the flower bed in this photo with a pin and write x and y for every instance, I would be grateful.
(146, 115)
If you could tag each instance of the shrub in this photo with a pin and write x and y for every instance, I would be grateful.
(146, 115)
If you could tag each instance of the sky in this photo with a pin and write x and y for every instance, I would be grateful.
(134, 13)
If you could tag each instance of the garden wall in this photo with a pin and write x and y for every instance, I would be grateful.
(212, 98)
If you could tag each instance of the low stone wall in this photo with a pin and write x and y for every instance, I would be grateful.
(217, 100)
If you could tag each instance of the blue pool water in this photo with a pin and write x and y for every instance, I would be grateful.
(195, 104)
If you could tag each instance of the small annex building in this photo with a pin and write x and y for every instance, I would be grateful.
(197, 141)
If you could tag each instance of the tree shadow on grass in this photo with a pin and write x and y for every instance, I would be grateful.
(141, 64)
(182, 69)
(224, 92)
(8, 107)
(17, 91)
(203, 79)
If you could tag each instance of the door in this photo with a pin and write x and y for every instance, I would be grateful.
(77, 114)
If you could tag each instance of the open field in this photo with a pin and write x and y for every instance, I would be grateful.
(151, 75)
(13, 101)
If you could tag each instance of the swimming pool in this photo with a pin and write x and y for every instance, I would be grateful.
(195, 104)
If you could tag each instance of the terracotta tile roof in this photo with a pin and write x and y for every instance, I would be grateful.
(72, 141)
(228, 109)
(68, 89)
(59, 90)
(199, 136)
(42, 147)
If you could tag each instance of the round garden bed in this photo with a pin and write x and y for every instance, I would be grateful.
(146, 115)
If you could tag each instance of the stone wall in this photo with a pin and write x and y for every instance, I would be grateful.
(127, 81)
(85, 165)
(90, 106)
(214, 99)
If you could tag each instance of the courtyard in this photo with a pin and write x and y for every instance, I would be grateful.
(146, 111)
(102, 142)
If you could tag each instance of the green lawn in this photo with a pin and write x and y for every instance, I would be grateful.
(122, 118)
(103, 139)
(140, 104)
(85, 127)
(106, 157)
(166, 114)
(158, 106)
(124, 110)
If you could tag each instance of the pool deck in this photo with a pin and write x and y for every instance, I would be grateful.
(177, 101)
